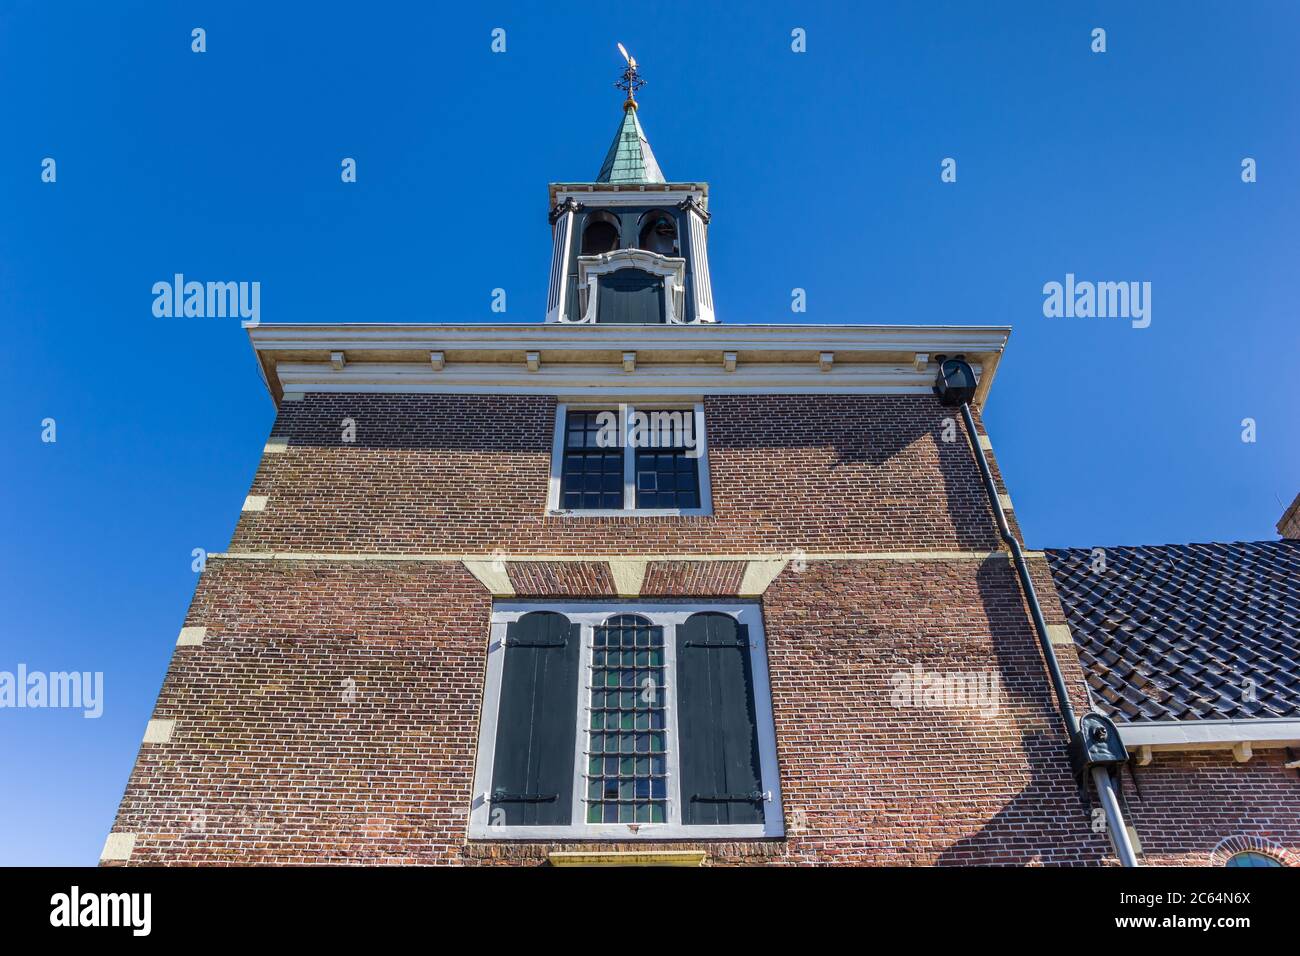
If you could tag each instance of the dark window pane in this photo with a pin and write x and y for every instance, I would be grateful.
(591, 473)
(667, 476)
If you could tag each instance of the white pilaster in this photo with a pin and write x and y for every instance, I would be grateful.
(697, 228)
(562, 241)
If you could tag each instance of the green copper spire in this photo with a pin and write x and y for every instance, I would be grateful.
(630, 159)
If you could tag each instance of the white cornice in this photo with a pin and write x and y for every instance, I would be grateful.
(563, 379)
(902, 338)
(629, 194)
(1210, 734)
(671, 359)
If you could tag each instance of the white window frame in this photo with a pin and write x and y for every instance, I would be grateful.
(629, 460)
(589, 615)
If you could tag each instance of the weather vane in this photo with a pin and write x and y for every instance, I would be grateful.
(631, 80)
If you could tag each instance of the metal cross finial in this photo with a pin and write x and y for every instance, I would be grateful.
(631, 80)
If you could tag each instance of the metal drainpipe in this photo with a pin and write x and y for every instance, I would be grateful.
(1119, 837)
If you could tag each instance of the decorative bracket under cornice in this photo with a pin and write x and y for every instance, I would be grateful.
(689, 204)
(568, 205)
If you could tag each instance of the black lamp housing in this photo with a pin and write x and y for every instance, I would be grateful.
(955, 383)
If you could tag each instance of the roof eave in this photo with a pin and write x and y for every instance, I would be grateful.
(784, 357)
(1185, 735)
(558, 189)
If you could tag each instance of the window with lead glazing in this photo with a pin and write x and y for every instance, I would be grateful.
(630, 458)
(627, 763)
(592, 475)
(667, 469)
(641, 720)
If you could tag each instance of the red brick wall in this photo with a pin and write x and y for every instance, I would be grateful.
(271, 762)
(693, 578)
(560, 578)
(469, 473)
(280, 767)
(278, 757)
(1190, 803)
(594, 579)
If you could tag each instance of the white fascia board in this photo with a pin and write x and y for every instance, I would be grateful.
(497, 337)
(676, 358)
(653, 196)
(1210, 734)
(578, 379)
(610, 194)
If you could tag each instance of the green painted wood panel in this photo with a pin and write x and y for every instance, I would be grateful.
(532, 769)
(721, 773)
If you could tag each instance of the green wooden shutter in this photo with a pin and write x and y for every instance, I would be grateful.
(717, 736)
(630, 297)
(532, 770)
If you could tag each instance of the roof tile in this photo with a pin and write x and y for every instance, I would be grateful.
(1175, 632)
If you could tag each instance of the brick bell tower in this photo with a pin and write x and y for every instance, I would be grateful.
(630, 247)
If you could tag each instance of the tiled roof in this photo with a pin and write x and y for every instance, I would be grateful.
(629, 159)
(1179, 632)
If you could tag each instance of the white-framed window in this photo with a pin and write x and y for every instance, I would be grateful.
(643, 458)
(622, 721)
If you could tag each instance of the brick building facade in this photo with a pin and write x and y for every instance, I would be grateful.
(347, 684)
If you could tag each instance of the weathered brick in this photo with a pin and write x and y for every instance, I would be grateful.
(330, 713)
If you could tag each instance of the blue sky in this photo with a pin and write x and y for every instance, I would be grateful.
(824, 167)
